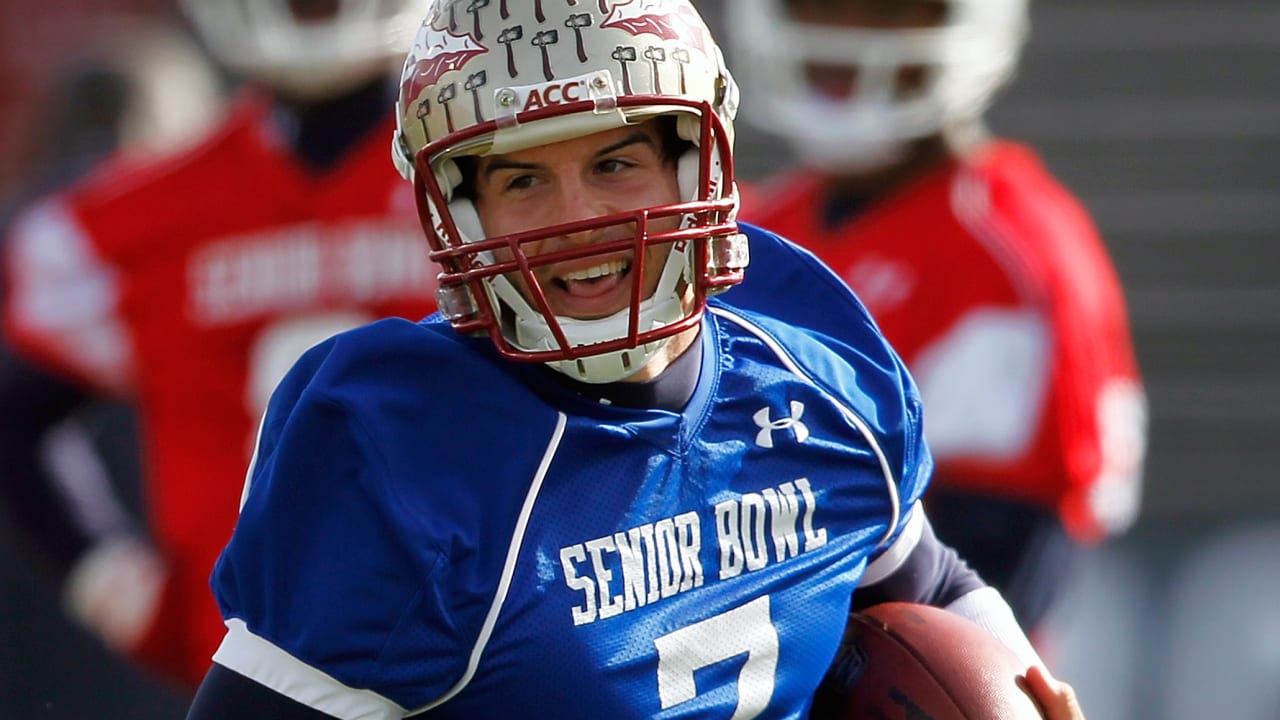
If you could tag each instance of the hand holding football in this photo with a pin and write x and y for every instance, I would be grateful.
(909, 661)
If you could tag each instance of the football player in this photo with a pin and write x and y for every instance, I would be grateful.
(187, 285)
(986, 275)
(593, 486)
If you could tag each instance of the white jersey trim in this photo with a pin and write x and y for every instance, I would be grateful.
(258, 659)
(508, 568)
(891, 484)
(971, 204)
(253, 462)
(896, 554)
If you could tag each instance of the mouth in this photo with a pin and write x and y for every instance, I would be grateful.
(591, 281)
(832, 82)
(592, 291)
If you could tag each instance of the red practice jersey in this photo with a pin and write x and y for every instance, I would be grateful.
(190, 285)
(991, 281)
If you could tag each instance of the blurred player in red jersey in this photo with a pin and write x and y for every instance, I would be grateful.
(188, 285)
(982, 270)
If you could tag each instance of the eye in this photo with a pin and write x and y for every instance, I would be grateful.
(610, 166)
(519, 182)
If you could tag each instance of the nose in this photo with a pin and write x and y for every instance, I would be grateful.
(577, 200)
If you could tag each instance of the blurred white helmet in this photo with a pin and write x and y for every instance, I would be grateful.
(499, 77)
(964, 60)
(307, 48)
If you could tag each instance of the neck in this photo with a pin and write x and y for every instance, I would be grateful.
(322, 131)
(668, 388)
(672, 351)
(849, 192)
(869, 184)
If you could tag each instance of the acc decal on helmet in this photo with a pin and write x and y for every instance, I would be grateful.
(649, 46)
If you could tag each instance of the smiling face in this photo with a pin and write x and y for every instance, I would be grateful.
(580, 179)
(583, 220)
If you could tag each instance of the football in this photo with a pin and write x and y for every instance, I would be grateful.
(908, 661)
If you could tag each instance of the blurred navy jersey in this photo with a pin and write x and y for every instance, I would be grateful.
(428, 526)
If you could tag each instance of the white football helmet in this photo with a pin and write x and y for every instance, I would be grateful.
(307, 48)
(965, 59)
(497, 77)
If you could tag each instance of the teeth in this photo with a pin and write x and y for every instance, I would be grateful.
(608, 268)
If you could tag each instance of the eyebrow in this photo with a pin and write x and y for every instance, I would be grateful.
(501, 162)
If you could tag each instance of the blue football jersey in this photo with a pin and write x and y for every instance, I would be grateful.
(428, 528)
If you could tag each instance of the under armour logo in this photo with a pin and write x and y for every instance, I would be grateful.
(764, 438)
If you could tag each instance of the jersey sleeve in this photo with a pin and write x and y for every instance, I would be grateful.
(800, 290)
(63, 299)
(1095, 411)
(325, 584)
(1101, 403)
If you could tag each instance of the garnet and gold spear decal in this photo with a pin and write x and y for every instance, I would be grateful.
(576, 22)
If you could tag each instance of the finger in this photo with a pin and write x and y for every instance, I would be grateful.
(1057, 699)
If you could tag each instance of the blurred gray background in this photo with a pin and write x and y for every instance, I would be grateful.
(1164, 117)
